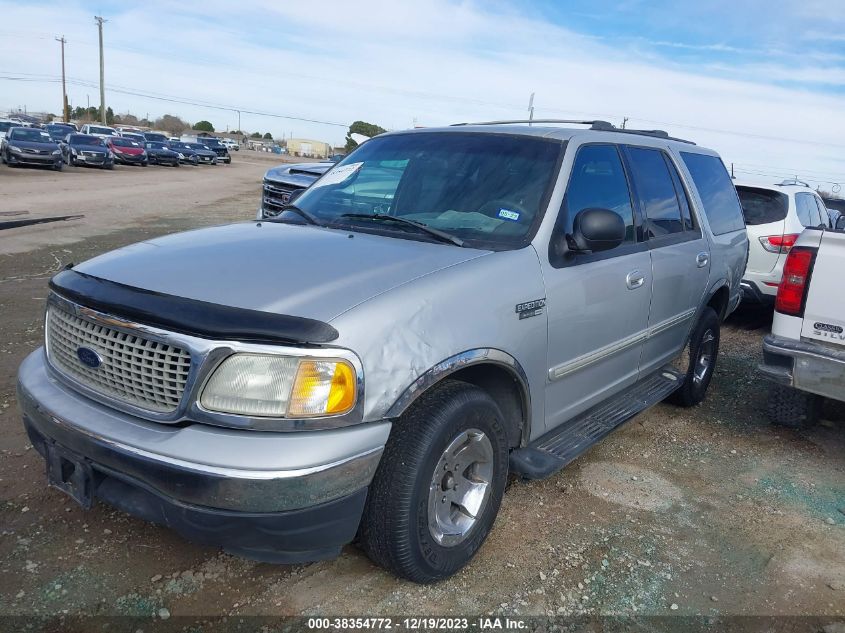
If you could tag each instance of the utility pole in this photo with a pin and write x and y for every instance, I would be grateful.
(99, 22)
(624, 122)
(65, 115)
(531, 108)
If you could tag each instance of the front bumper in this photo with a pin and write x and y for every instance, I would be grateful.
(804, 365)
(263, 495)
(25, 158)
(129, 159)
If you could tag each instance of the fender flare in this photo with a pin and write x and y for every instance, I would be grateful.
(462, 360)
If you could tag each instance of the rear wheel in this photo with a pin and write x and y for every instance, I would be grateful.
(792, 407)
(699, 360)
(439, 485)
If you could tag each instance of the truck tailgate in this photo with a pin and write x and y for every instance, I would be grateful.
(824, 314)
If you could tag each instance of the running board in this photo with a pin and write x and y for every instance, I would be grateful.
(551, 452)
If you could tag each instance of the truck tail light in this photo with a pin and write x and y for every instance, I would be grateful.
(792, 291)
(779, 243)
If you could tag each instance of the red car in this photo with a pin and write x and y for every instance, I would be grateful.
(127, 151)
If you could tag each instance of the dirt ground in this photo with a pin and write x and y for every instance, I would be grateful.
(708, 512)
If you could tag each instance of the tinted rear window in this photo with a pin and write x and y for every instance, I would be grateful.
(762, 206)
(717, 193)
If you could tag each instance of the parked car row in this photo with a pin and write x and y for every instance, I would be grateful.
(59, 144)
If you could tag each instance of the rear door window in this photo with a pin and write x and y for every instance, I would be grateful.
(762, 206)
(805, 207)
(717, 192)
(656, 191)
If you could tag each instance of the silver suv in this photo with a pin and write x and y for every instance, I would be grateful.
(443, 307)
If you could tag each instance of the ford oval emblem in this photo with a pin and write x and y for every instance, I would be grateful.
(89, 357)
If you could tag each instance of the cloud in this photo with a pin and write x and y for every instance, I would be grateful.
(433, 63)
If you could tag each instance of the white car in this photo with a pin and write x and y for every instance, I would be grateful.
(775, 215)
(231, 144)
(805, 353)
(5, 126)
(98, 130)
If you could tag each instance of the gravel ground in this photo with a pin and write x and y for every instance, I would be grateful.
(707, 511)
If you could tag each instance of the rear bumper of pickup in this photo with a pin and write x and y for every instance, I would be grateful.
(260, 495)
(803, 365)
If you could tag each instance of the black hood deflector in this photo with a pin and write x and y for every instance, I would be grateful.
(188, 316)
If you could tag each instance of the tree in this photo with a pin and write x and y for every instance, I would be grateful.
(203, 126)
(109, 116)
(255, 135)
(361, 127)
(172, 124)
(268, 136)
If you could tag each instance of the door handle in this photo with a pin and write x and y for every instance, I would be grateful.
(634, 279)
(702, 259)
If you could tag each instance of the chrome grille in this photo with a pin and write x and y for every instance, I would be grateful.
(135, 370)
(275, 197)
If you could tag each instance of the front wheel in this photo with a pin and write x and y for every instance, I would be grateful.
(439, 485)
(699, 360)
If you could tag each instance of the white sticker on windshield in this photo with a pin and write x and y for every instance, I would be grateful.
(507, 214)
(338, 175)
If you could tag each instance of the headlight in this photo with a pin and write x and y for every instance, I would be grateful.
(14, 148)
(181, 156)
(110, 154)
(281, 386)
(73, 151)
(57, 152)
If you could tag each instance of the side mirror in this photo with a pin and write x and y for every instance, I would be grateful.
(595, 230)
(840, 223)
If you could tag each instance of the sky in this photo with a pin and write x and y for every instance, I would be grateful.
(761, 82)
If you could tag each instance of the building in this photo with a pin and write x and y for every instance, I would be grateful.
(308, 148)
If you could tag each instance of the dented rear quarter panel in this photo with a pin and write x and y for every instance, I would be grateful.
(404, 332)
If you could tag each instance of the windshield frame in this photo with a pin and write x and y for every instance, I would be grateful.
(514, 243)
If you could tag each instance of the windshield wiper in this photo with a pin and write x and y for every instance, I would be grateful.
(383, 217)
(311, 219)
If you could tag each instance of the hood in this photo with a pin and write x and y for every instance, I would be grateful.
(132, 151)
(299, 174)
(287, 269)
(89, 148)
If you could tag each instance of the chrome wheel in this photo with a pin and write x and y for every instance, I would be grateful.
(460, 487)
(704, 360)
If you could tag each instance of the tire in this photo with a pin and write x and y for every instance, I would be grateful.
(58, 166)
(703, 343)
(145, 164)
(395, 530)
(793, 408)
(110, 167)
(176, 164)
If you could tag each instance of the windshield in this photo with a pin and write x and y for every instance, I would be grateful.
(84, 139)
(179, 145)
(5, 126)
(33, 136)
(124, 142)
(762, 206)
(196, 146)
(486, 189)
(154, 145)
(93, 129)
(212, 142)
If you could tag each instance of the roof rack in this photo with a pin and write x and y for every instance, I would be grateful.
(793, 182)
(598, 125)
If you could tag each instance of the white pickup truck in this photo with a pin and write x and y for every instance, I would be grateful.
(805, 353)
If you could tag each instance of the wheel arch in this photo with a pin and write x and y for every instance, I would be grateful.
(719, 298)
(493, 370)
